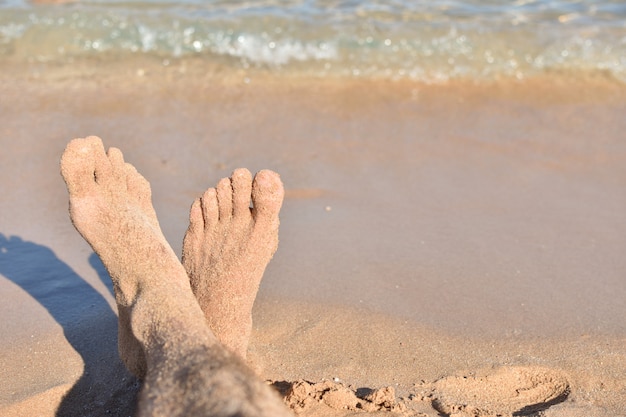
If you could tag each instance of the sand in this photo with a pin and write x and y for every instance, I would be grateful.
(462, 245)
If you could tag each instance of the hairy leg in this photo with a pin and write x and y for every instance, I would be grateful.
(188, 372)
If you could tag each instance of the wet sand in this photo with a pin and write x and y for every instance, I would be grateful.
(428, 231)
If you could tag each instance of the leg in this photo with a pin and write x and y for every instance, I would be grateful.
(188, 372)
(227, 247)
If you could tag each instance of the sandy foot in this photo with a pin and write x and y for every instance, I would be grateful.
(110, 207)
(109, 198)
(227, 247)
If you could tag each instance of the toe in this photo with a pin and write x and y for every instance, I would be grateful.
(78, 167)
(196, 220)
(241, 180)
(103, 168)
(136, 183)
(116, 157)
(210, 208)
(139, 188)
(225, 199)
(267, 197)
(118, 166)
(194, 234)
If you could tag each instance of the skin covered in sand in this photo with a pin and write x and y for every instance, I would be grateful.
(110, 207)
(227, 247)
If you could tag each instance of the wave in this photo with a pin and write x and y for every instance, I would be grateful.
(475, 39)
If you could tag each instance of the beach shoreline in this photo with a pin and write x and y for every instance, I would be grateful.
(428, 230)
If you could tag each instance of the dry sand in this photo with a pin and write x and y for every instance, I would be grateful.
(462, 245)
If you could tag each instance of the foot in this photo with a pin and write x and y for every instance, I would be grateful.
(110, 206)
(182, 359)
(226, 248)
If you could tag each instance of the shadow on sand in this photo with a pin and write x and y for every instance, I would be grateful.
(89, 325)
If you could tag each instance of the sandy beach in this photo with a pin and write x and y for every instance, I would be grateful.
(461, 243)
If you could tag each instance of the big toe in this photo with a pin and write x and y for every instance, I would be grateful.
(78, 165)
(267, 196)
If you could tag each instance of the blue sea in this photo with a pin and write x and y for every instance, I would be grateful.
(431, 41)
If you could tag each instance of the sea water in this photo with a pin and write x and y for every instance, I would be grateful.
(431, 41)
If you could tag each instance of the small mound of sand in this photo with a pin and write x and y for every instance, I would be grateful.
(302, 395)
(508, 391)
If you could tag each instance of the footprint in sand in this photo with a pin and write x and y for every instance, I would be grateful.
(507, 391)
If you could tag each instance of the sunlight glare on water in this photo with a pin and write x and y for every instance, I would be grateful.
(425, 40)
